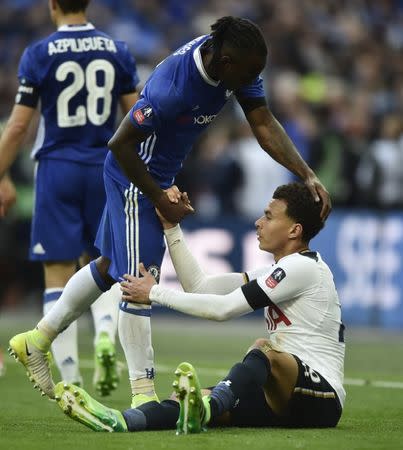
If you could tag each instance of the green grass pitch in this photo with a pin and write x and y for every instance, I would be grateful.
(372, 418)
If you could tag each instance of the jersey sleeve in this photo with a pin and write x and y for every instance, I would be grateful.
(159, 102)
(253, 90)
(255, 273)
(284, 281)
(28, 90)
(129, 77)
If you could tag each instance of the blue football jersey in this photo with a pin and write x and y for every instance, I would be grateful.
(178, 102)
(78, 74)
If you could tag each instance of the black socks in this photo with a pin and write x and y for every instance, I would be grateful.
(254, 369)
(152, 416)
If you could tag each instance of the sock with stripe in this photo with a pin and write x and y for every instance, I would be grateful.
(255, 368)
(65, 346)
(135, 338)
(83, 288)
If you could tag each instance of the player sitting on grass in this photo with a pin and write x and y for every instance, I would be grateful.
(293, 378)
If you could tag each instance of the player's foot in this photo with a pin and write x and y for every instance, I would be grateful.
(36, 360)
(140, 399)
(194, 409)
(81, 407)
(106, 375)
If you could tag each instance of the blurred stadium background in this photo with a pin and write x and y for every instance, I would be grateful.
(335, 81)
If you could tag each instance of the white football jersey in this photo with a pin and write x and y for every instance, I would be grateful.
(303, 314)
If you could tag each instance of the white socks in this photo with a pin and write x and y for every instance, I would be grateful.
(61, 307)
(64, 347)
(105, 312)
(135, 338)
(134, 326)
(78, 295)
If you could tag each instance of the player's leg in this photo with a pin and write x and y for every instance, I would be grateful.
(65, 346)
(81, 407)
(261, 369)
(81, 291)
(31, 347)
(273, 372)
(105, 309)
(136, 236)
(135, 320)
(105, 312)
(273, 388)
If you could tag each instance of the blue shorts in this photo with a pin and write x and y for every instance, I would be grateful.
(69, 200)
(130, 231)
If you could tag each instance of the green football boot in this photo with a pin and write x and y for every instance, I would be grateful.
(194, 409)
(81, 407)
(31, 350)
(106, 375)
(140, 399)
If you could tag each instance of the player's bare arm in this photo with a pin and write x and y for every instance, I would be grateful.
(123, 144)
(10, 143)
(13, 135)
(273, 139)
(8, 195)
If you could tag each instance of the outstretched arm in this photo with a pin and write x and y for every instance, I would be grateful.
(209, 306)
(274, 140)
(190, 274)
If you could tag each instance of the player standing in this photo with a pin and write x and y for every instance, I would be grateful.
(180, 99)
(78, 75)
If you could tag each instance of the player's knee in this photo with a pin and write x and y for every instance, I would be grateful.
(260, 344)
(274, 357)
(103, 264)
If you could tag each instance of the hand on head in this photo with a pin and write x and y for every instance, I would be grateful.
(320, 193)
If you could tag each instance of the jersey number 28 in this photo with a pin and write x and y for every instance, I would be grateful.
(96, 94)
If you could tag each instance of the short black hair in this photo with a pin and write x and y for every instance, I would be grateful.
(301, 207)
(239, 33)
(72, 6)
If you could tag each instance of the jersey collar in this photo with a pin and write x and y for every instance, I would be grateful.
(81, 27)
(200, 67)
